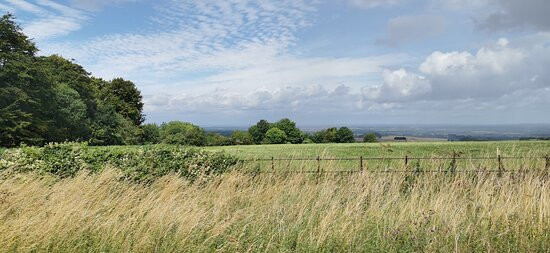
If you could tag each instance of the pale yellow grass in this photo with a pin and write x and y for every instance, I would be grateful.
(274, 212)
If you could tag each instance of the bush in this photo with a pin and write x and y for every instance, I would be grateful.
(182, 133)
(138, 163)
(275, 136)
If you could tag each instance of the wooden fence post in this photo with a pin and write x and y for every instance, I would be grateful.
(406, 160)
(500, 167)
(547, 162)
(361, 163)
(273, 164)
(318, 164)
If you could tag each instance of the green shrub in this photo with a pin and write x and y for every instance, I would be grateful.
(139, 163)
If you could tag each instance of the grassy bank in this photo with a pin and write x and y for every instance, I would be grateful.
(239, 212)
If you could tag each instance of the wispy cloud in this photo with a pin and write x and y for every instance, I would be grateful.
(52, 19)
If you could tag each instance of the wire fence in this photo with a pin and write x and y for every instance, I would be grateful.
(497, 164)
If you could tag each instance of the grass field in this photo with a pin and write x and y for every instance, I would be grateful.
(236, 211)
(412, 149)
(434, 150)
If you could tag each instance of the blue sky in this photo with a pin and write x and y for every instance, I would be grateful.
(233, 62)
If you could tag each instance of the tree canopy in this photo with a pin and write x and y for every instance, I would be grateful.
(51, 99)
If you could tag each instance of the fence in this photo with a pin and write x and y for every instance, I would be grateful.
(499, 163)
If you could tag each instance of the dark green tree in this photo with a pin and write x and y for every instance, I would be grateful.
(71, 119)
(326, 136)
(151, 134)
(294, 134)
(345, 135)
(259, 130)
(25, 89)
(125, 97)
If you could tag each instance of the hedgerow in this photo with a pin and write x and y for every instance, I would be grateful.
(139, 163)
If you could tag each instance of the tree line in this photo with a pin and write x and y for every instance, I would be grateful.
(283, 131)
(46, 99)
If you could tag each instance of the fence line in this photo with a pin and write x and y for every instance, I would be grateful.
(362, 162)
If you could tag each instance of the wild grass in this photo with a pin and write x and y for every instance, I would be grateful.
(283, 212)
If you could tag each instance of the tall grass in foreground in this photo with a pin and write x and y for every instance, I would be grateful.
(278, 212)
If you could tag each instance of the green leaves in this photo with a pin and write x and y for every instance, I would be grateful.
(51, 99)
(140, 164)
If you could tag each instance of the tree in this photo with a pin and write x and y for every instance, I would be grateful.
(182, 133)
(259, 130)
(72, 122)
(294, 135)
(126, 99)
(25, 92)
(345, 135)
(275, 136)
(111, 128)
(241, 138)
(326, 136)
(50, 99)
(12, 39)
(370, 138)
(151, 134)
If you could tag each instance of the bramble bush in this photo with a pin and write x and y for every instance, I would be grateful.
(138, 163)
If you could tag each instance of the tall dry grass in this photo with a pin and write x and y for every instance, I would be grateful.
(278, 212)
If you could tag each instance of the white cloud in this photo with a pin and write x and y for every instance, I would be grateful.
(405, 29)
(6, 8)
(196, 35)
(398, 86)
(26, 6)
(367, 4)
(95, 5)
(506, 77)
(51, 19)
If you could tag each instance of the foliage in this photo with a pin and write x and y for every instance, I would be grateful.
(334, 135)
(182, 133)
(151, 134)
(370, 138)
(259, 130)
(25, 91)
(345, 135)
(293, 134)
(215, 139)
(242, 138)
(51, 99)
(275, 136)
(143, 163)
(126, 99)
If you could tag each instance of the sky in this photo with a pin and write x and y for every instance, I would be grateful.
(318, 62)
